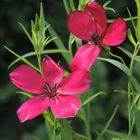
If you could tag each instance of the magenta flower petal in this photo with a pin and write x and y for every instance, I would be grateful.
(32, 108)
(81, 24)
(98, 13)
(115, 33)
(53, 72)
(85, 57)
(76, 83)
(27, 78)
(65, 106)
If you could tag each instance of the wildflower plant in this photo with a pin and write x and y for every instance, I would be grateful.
(59, 93)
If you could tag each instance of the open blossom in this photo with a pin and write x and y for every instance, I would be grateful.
(91, 25)
(51, 90)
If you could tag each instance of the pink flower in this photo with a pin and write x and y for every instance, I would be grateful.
(91, 25)
(51, 90)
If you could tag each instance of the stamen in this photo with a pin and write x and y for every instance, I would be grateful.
(49, 91)
(95, 38)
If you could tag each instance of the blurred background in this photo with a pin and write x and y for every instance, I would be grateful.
(105, 76)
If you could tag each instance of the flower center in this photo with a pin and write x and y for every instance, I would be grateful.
(49, 91)
(96, 39)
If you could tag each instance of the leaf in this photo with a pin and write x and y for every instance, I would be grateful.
(78, 42)
(138, 20)
(110, 9)
(72, 6)
(26, 32)
(78, 136)
(128, 53)
(22, 58)
(50, 123)
(71, 41)
(126, 92)
(120, 135)
(58, 42)
(42, 19)
(89, 99)
(33, 53)
(108, 123)
(123, 68)
(132, 20)
(66, 131)
(137, 124)
(126, 19)
(131, 38)
(107, 3)
(25, 93)
(66, 5)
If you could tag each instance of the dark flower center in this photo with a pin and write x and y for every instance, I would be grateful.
(96, 39)
(49, 91)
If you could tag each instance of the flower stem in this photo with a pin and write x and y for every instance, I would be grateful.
(131, 117)
(88, 122)
(39, 62)
(118, 57)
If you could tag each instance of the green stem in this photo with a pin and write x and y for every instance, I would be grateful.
(72, 5)
(70, 47)
(39, 63)
(87, 120)
(54, 131)
(118, 57)
(88, 123)
(130, 119)
(66, 5)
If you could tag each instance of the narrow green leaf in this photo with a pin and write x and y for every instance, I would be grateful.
(126, 92)
(58, 42)
(71, 41)
(41, 18)
(66, 5)
(78, 136)
(25, 93)
(137, 125)
(89, 99)
(123, 68)
(22, 58)
(131, 38)
(125, 52)
(107, 3)
(120, 135)
(34, 38)
(82, 3)
(26, 32)
(110, 9)
(48, 40)
(138, 20)
(72, 6)
(128, 53)
(78, 42)
(126, 19)
(50, 125)
(33, 53)
(132, 20)
(108, 123)
(47, 117)
(66, 132)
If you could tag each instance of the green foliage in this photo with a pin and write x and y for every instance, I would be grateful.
(138, 21)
